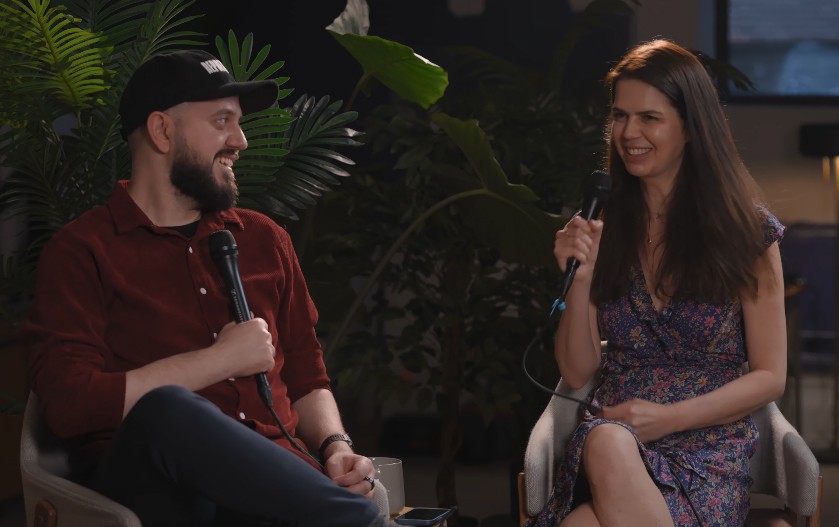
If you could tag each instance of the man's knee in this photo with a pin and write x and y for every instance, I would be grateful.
(168, 404)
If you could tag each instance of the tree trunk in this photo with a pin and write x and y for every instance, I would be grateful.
(448, 403)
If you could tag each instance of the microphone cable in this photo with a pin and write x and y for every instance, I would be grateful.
(225, 254)
(593, 408)
(269, 403)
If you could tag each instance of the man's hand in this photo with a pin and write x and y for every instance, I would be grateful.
(246, 347)
(348, 470)
(649, 420)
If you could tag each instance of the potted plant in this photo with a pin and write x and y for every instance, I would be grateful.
(464, 274)
(461, 242)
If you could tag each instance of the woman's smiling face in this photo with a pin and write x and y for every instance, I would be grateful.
(647, 131)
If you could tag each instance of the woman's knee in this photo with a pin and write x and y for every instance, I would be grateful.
(582, 516)
(608, 449)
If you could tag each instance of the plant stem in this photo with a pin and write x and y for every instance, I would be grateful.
(361, 82)
(374, 276)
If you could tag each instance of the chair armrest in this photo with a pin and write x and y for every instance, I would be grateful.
(381, 500)
(784, 466)
(77, 505)
(547, 439)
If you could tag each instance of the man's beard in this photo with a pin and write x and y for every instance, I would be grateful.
(196, 180)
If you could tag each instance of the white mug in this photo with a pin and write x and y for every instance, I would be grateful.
(389, 472)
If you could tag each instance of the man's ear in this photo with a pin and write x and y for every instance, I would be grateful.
(161, 129)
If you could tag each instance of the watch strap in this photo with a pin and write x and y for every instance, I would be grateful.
(331, 439)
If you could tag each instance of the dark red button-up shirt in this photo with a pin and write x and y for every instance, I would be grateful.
(115, 292)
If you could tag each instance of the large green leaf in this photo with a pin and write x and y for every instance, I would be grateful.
(395, 65)
(506, 216)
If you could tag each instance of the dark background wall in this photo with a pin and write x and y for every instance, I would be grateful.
(525, 32)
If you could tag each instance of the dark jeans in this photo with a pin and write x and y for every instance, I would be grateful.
(176, 460)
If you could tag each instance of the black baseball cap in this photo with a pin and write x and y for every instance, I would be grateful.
(169, 79)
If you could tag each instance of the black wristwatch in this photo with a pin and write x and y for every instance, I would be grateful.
(331, 439)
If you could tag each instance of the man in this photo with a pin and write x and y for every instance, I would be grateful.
(131, 348)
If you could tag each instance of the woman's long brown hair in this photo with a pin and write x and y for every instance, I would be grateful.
(714, 233)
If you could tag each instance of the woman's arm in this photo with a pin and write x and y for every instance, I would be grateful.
(577, 341)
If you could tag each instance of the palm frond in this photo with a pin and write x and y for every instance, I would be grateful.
(161, 28)
(63, 69)
(118, 21)
(44, 187)
(258, 164)
(312, 166)
(47, 57)
(103, 153)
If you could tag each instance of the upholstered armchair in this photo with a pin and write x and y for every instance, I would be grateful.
(783, 466)
(51, 500)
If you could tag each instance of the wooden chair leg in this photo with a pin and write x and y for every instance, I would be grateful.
(816, 519)
(523, 516)
(45, 515)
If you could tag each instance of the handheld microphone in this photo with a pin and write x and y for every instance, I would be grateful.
(225, 254)
(595, 194)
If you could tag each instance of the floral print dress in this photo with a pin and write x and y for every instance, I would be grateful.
(688, 349)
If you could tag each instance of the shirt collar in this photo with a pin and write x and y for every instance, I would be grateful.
(128, 216)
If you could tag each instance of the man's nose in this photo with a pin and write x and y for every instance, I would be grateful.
(237, 139)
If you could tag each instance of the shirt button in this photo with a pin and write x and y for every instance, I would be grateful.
(190, 250)
(203, 291)
(241, 415)
(231, 379)
(215, 335)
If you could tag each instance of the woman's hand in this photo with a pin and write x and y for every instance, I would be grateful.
(649, 420)
(579, 239)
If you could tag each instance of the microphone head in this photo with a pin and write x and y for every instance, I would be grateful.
(222, 244)
(598, 186)
(595, 193)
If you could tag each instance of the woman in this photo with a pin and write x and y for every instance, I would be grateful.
(683, 278)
